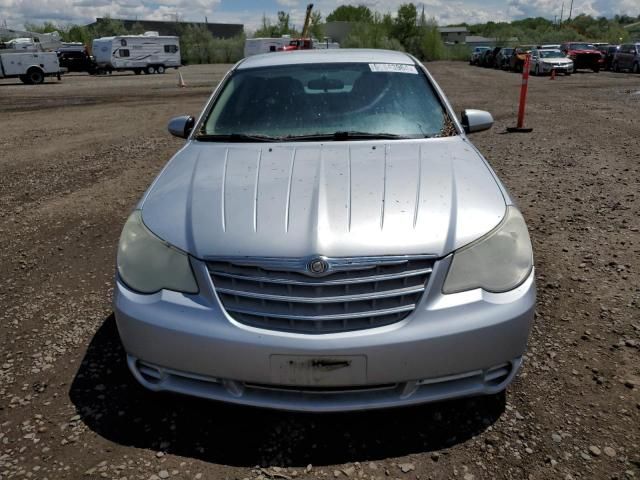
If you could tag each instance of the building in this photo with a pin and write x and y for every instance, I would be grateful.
(453, 35)
(478, 41)
(218, 30)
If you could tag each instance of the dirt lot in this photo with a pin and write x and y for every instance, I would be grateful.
(75, 157)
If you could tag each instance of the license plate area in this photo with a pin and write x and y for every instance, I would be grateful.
(318, 371)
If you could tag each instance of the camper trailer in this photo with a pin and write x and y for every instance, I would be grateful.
(148, 53)
(254, 46)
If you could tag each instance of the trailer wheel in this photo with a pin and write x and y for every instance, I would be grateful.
(35, 76)
(160, 69)
(150, 69)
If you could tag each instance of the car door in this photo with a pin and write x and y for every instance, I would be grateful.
(623, 56)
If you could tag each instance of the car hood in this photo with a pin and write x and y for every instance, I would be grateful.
(336, 199)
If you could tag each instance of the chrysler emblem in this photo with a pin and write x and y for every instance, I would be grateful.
(318, 266)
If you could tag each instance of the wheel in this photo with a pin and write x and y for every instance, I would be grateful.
(536, 71)
(24, 79)
(35, 76)
(636, 68)
(596, 69)
(160, 69)
(101, 71)
(150, 69)
(137, 71)
(567, 73)
(616, 67)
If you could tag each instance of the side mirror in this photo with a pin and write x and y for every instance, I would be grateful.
(181, 126)
(476, 120)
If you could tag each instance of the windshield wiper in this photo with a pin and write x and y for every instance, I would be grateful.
(236, 138)
(346, 135)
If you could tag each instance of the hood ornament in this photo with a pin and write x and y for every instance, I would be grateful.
(317, 266)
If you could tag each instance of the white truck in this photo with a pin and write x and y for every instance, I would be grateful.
(29, 67)
(254, 46)
(148, 53)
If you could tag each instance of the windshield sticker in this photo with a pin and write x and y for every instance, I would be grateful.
(393, 68)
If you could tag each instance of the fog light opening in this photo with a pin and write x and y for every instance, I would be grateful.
(150, 373)
(498, 374)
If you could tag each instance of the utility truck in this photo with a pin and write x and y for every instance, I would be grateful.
(29, 56)
(148, 53)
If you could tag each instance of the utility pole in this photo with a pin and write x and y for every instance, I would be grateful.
(570, 11)
(561, 13)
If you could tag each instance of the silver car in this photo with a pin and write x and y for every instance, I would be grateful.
(544, 61)
(327, 239)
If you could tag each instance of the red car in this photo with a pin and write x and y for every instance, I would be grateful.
(584, 55)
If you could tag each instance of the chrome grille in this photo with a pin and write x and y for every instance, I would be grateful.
(356, 294)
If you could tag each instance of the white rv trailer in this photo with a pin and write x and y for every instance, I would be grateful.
(148, 53)
(254, 46)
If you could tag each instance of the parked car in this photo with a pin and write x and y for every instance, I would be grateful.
(584, 55)
(545, 61)
(326, 240)
(518, 57)
(485, 58)
(490, 57)
(476, 54)
(608, 55)
(627, 58)
(503, 57)
(76, 59)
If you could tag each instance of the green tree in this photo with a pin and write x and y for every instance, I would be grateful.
(351, 13)
(316, 27)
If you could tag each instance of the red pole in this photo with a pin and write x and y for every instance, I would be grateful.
(523, 90)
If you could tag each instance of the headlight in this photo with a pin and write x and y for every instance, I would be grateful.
(497, 262)
(148, 264)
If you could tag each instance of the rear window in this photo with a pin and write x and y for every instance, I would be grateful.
(311, 99)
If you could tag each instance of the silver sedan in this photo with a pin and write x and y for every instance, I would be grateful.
(327, 239)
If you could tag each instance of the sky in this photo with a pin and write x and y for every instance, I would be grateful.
(14, 13)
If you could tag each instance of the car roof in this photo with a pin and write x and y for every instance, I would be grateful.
(549, 50)
(338, 55)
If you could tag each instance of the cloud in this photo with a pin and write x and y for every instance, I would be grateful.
(16, 12)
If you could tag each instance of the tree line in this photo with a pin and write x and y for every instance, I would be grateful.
(409, 29)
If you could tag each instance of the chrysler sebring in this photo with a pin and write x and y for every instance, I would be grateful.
(327, 239)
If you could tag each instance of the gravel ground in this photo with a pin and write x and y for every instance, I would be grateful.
(76, 156)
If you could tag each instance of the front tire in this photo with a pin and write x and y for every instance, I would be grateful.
(616, 67)
(150, 70)
(536, 71)
(35, 76)
(636, 68)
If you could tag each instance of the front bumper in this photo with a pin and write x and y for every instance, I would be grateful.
(464, 344)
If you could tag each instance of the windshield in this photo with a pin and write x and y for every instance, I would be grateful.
(291, 101)
(551, 54)
(581, 46)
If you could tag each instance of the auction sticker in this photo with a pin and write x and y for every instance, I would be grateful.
(393, 68)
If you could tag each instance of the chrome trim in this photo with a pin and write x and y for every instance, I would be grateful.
(338, 316)
(336, 264)
(340, 298)
(373, 278)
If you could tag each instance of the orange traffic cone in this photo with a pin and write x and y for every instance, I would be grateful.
(553, 74)
(181, 83)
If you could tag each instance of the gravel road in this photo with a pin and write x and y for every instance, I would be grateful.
(76, 155)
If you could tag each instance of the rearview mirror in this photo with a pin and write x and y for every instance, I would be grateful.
(181, 126)
(476, 120)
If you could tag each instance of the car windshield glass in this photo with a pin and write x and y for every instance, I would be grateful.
(304, 100)
(556, 54)
(581, 46)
